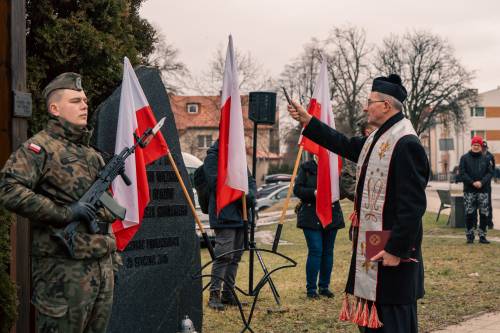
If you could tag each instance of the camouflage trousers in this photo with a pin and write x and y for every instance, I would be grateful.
(472, 203)
(72, 296)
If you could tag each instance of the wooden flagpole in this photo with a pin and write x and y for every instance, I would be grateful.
(277, 235)
(191, 205)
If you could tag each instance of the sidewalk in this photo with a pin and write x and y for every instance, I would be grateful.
(487, 323)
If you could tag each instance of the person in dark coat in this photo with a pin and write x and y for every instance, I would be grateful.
(320, 241)
(229, 234)
(491, 159)
(476, 173)
(400, 266)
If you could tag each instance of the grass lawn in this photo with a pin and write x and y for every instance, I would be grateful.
(461, 281)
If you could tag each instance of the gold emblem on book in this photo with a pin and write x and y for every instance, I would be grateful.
(375, 240)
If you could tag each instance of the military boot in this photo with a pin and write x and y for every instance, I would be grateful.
(483, 240)
(470, 238)
(214, 301)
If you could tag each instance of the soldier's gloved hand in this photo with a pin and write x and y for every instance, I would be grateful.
(82, 211)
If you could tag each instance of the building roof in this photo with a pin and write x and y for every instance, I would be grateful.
(490, 98)
(208, 114)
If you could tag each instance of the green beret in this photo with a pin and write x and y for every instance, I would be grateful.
(67, 80)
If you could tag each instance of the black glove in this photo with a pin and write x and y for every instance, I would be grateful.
(82, 211)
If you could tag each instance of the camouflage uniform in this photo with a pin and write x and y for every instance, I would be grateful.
(348, 179)
(51, 170)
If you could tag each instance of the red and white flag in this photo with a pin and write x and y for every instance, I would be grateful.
(135, 116)
(232, 176)
(329, 164)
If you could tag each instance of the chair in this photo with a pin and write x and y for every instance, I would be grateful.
(445, 197)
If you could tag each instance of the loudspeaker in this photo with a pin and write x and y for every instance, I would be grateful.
(262, 107)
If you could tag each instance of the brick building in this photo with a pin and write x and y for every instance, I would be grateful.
(197, 121)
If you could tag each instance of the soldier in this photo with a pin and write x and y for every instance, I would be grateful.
(42, 181)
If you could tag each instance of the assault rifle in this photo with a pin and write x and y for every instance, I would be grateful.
(97, 194)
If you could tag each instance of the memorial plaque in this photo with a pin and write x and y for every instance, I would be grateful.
(155, 289)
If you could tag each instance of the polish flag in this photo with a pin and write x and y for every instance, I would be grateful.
(232, 176)
(329, 164)
(135, 116)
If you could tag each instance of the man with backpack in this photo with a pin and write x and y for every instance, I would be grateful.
(229, 234)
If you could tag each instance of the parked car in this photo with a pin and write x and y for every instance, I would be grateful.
(268, 188)
(192, 163)
(273, 197)
(277, 177)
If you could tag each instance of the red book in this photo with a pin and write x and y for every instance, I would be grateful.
(376, 241)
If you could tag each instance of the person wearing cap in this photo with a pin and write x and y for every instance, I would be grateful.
(43, 181)
(476, 173)
(383, 287)
(493, 166)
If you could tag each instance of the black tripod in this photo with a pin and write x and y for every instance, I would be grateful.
(246, 319)
(252, 246)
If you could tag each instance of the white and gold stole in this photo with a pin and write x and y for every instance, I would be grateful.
(370, 218)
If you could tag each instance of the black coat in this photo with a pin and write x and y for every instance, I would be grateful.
(405, 204)
(476, 167)
(305, 185)
(230, 216)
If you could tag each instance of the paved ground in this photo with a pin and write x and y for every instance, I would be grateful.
(487, 323)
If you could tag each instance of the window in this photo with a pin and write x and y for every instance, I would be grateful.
(446, 144)
(192, 107)
(204, 141)
(477, 111)
(481, 133)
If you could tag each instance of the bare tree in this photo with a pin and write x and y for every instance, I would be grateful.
(438, 85)
(299, 77)
(251, 74)
(348, 66)
(165, 56)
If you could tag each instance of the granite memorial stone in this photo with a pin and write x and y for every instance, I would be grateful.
(155, 289)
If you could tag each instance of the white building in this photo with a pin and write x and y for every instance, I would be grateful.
(447, 145)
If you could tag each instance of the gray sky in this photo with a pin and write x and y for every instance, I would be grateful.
(274, 31)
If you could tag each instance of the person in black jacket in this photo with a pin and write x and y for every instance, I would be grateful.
(476, 173)
(320, 241)
(491, 159)
(229, 234)
(400, 265)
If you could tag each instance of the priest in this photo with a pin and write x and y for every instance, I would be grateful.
(386, 275)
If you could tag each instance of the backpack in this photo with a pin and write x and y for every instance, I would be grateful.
(201, 186)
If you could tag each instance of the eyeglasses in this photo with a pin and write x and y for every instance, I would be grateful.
(369, 101)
